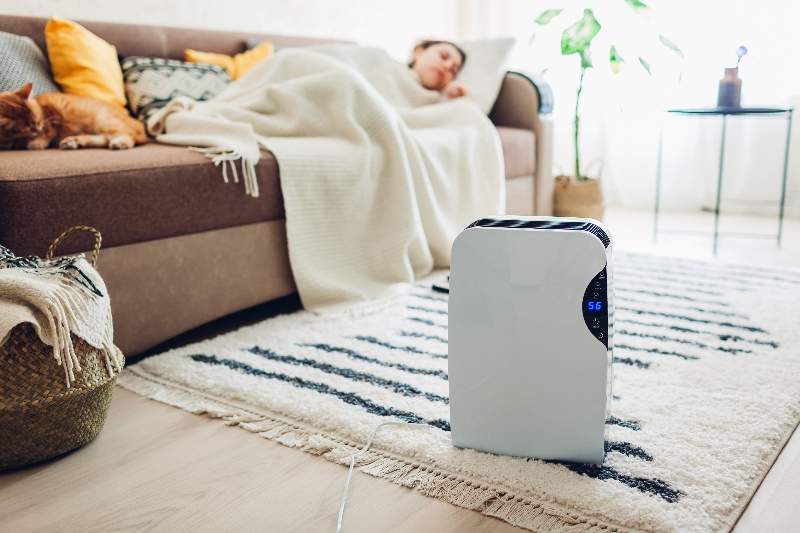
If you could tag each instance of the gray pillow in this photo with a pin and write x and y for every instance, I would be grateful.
(22, 62)
(152, 82)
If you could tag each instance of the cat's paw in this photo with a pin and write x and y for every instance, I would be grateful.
(120, 143)
(37, 144)
(69, 144)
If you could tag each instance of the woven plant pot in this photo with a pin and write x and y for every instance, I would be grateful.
(573, 198)
(40, 416)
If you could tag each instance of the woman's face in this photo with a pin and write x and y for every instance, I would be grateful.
(436, 65)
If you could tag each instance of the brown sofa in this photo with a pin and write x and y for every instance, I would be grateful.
(181, 247)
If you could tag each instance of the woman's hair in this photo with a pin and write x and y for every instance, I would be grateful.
(428, 43)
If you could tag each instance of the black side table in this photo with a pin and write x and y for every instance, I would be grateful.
(724, 112)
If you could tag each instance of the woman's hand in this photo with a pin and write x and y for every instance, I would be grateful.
(455, 90)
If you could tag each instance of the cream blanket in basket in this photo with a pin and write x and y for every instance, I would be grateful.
(378, 174)
(58, 297)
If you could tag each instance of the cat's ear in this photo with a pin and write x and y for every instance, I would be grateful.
(6, 123)
(25, 92)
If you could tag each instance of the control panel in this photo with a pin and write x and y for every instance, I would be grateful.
(595, 306)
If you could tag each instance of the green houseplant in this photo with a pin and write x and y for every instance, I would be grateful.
(576, 195)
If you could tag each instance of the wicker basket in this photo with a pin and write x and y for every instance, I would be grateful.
(574, 198)
(40, 417)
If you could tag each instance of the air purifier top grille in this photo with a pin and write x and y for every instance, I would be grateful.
(549, 223)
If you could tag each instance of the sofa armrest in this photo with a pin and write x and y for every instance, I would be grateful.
(526, 101)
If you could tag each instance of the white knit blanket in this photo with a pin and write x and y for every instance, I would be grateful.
(378, 174)
(58, 297)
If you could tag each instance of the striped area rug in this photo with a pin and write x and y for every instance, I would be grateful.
(706, 393)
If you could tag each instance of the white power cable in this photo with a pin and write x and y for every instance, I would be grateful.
(362, 452)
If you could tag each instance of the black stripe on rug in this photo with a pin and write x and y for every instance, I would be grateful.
(395, 386)
(431, 298)
(725, 283)
(655, 351)
(675, 306)
(720, 336)
(355, 355)
(687, 284)
(347, 397)
(652, 486)
(428, 322)
(630, 424)
(626, 448)
(409, 349)
(691, 319)
(739, 273)
(418, 335)
(668, 295)
(664, 338)
(631, 362)
(427, 309)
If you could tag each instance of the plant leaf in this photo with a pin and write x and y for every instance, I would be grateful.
(638, 6)
(578, 36)
(615, 60)
(672, 46)
(646, 65)
(547, 16)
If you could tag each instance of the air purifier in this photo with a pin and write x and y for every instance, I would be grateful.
(530, 328)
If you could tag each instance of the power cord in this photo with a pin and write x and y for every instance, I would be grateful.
(362, 452)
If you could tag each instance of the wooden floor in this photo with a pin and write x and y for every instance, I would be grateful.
(158, 468)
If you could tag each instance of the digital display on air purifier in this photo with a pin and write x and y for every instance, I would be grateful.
(595, 306)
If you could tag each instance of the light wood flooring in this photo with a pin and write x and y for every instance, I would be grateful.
(158, 468)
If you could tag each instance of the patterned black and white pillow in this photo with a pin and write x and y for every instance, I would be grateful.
(150, 83)
(22, 62)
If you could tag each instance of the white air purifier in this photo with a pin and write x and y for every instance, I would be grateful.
(530, 327)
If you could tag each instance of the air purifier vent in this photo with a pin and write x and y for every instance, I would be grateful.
(509, 222)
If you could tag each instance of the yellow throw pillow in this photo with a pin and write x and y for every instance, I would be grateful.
(83, 63)
(236, 65)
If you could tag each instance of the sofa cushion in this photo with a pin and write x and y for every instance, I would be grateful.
(149, 192)
(519, 147)
(152, 82)
(21, 62)
(176, 191)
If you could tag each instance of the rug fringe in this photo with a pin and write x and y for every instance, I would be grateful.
(428, 481)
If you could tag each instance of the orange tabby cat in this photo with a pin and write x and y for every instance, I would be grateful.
(65, 120)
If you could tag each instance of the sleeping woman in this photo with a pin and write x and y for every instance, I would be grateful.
(381, 165)
(437, 63)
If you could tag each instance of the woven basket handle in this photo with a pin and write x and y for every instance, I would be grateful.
(97, 240)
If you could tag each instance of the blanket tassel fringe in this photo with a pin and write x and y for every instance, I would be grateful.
(224, 156)
(428, 481)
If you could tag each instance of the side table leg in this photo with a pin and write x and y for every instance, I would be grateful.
(719, 183)
(783, 186)
(658, 181)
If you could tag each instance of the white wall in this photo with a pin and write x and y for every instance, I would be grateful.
(392, 25)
